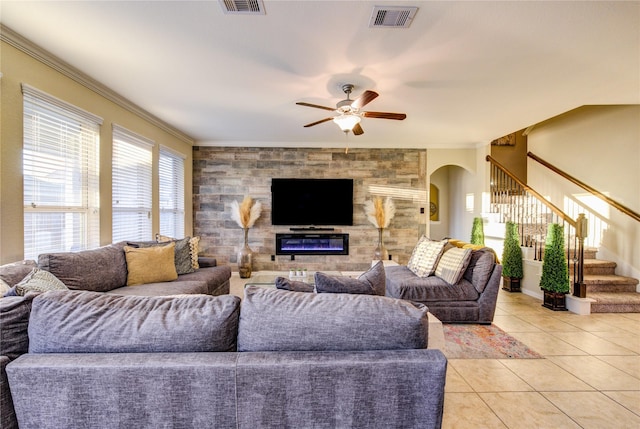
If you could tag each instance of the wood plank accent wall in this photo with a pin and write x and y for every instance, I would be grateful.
(224, 174)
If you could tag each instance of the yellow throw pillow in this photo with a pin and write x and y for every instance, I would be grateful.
(150, 264)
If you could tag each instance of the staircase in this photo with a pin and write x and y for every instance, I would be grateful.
(612, 293)
(513, 200)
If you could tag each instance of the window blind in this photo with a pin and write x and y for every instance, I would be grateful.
(131, 186)
(171, 177)
(60, 175)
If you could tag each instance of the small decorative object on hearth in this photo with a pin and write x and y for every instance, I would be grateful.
(555, 274)
(511, 259)
(245, 215)
(477, 232)
(380, 212)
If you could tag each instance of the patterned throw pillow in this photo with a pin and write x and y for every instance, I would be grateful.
(39, 281)
(193, 250)
(425, 256)
(4, 287)
(452, 265)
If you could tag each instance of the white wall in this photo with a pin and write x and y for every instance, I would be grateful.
(462, 176)
(600, 146)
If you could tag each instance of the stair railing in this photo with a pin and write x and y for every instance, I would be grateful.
(624, 209)
(517, 202)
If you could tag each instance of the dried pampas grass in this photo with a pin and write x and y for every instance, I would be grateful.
(245, 213)
(380, 212)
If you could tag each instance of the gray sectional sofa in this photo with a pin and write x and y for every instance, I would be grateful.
(280, 360)
(472, 299)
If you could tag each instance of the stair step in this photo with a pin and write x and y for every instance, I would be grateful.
(597, 266)
(609, 283)
(626, 302)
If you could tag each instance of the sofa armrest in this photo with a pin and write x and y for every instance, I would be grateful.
(207, 261)
(7, 414)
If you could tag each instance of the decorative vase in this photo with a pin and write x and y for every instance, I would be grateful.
(381, 253)
(245, 257)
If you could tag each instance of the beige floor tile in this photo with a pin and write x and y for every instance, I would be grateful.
(594, 410)
(514, 324)
(548, 323)
(587, 323)
(524, 410)
(597, 373)
(547, 344)
(625, 339)
(628, 399)
(467, 410)
(544, 375)
(628, 364)
(489, 375)
(592, 344)
(455, 383)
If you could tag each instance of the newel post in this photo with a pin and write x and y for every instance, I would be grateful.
(582, 228)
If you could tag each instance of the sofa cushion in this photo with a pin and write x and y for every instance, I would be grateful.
(371, 282)
(480, 268)
(177, 287)
(4, 287)
(214, 276)
(14, 321)
(402, 283)
(13, 273)
(150, 264)
(98, 270)
(425, 256)
(39, 281)
(293, 285)
(452, 264)
(276, 320)
(88, 322)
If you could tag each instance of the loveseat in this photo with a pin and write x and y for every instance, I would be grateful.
(280, 360)
(459, 282)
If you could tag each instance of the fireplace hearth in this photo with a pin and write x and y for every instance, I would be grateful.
(312, 244)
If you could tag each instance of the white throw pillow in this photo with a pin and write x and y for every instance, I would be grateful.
(452, 264)
(425, 256)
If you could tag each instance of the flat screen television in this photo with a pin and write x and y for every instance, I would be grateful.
(312, 202)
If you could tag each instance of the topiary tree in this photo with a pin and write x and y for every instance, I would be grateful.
(511, 259)
(477, 232)
(555, 273)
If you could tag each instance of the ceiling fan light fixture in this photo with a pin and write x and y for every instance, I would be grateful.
(346, 122)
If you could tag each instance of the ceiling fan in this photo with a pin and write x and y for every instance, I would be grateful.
(348, 114)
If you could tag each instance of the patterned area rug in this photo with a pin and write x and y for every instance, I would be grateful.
(483, 342)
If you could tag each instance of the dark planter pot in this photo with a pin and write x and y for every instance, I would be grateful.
(511, 284)
(555, 301)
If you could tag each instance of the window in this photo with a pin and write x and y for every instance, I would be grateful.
(60, 166)
(171, 172)
(131, 181)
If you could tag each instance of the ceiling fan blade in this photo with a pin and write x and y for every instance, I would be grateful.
(384, 115)
(318, 122)
(315, 105)
(357, 130)
(364, 99)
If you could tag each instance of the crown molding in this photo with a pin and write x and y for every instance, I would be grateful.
(17, 41)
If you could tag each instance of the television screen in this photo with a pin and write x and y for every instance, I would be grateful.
(312, 202)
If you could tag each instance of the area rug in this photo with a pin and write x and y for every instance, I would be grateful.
(483, 342)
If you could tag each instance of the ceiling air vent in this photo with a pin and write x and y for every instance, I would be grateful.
(392, 16)
(243, 7)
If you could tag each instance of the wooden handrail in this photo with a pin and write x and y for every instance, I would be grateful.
(524, 186)
(617, 205)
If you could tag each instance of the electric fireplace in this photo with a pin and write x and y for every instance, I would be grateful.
(312, 244)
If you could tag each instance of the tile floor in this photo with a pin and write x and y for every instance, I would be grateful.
(590, 377)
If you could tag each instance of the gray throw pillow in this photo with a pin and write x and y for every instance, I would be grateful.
(273, 320)
(371, 282)
(292, 285)
(182, 257)
(92, 322)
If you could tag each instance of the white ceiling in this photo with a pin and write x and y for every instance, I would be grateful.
(465, 73)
